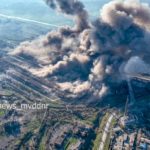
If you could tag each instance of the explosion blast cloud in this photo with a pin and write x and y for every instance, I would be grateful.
(73, 8)
(85, 61)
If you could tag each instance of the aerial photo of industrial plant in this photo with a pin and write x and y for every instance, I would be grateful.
(74, 75)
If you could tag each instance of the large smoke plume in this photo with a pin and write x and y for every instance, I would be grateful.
(88, 59)
(73, 8)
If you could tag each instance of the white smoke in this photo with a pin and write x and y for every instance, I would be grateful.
(136, 66)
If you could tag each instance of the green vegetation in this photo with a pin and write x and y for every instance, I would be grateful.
(70, 142)
(42, 144)
(87, 119)
(106, 146)
(90, 120)
(6, 93)
(100, 131)
(42, 147)
(25, 139)
(2, 112)
(33, 125)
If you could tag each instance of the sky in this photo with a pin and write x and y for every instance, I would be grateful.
(38, 10)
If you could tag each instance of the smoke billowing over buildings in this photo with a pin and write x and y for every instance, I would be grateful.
(84, 59)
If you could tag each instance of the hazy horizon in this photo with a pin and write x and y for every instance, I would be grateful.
(38, 10)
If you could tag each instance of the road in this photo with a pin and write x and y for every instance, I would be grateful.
(106, 130)
(138, 76)
(142, 77)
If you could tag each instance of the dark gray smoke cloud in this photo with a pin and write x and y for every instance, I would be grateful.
(73, 8)
(87, 63)
(124, 12)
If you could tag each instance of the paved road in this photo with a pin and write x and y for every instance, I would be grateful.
(106, 130)
(142, 77)
(139, 76)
